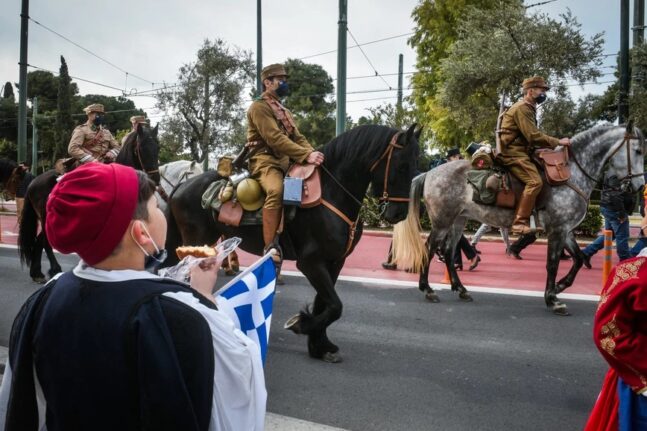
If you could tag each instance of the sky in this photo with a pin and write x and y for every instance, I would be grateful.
(152, 39)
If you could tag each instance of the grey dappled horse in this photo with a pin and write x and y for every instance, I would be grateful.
(173, 174)
(448, 199)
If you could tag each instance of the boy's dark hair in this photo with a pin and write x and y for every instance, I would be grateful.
(146, 190)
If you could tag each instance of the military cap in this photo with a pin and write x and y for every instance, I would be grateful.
(273, 70)
(453, 152)
(95, 107)
(535, 82)
(138, 119)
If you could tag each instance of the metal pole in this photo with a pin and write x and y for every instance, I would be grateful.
(22, 85)
(259, 47)
(34, 136)
(623, 105)
(341, 66)
(400, 61)
(639, 22)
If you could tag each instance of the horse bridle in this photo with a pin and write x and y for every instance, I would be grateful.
(626, 142)
(385, 199)
(393, 144)
(149, 172)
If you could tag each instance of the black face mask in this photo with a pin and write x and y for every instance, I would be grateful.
(153, 261)
(98, 120)
(541, 98)
(283, 89)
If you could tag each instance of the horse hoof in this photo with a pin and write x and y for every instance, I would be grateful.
(331, 358)
(39, 279)
(560, 309)
(432, 297)
(293, 324)
(464, 296)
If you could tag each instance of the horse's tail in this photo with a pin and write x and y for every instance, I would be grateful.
(173, 235)
(27, 232)
(409, 251)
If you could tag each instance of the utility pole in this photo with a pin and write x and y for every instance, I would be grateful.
(400, 72)
(341, 66)
(22, 83)
(639, 22)
(34, 137)
(259, 48)
(623, 104)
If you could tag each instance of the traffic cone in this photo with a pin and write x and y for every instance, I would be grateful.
(446, 279)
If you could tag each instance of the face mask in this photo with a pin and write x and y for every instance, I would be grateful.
(98, 120)
(282, 89)
(541, 98)
(152, 261)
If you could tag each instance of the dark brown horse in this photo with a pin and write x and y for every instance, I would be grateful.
(318, 238)
(10, 176)
(140, 151)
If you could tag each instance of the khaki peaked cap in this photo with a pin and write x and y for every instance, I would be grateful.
(273, 70)
(535, 82)
(138, 119)
(95, 107)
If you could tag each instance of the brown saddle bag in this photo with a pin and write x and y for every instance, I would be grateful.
(311, 195)
(555, 164)
(231, 213)
(505, 197)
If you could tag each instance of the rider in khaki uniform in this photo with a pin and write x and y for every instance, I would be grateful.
(277, 140)
(90, 141)
(134, 121)
(519, 138)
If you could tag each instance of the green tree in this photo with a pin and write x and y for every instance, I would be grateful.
(7, 92)
(8, 117)
(437, 28)
(209, 98)
(497, 49)
(64, 122)
(311, 101)
(44, 85)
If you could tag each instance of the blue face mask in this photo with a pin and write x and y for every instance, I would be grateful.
(282, 89)
(152, 261)
(98, 120)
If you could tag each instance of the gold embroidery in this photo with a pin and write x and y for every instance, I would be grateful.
(611, 330)
(624, 272)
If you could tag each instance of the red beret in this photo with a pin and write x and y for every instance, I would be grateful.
(90, 208)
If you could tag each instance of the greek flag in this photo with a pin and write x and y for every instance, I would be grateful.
(247, 300)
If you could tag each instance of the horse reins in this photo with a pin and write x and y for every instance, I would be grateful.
(150, 172)
(385, 194)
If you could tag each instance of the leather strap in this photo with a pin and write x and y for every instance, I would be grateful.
(352, 225)
(387, 154)
(281, 114)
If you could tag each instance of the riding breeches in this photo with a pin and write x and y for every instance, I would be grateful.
(527, 173)
(271, 181)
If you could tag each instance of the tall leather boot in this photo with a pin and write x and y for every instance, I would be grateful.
(521, 224)
(271, 222)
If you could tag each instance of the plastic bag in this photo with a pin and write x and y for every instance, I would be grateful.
(182, 271)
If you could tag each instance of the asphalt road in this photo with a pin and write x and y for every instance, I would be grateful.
(501, 362)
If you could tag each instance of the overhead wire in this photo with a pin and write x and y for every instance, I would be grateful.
(368, 59)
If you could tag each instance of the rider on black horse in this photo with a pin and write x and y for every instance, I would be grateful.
(276, 141)
(519, 137)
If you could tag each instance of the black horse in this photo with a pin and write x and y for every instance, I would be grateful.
(140, 151)
(10, 176)
(318, 238)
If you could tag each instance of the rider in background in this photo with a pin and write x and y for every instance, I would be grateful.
(134, 121)
(92, 142)
(276, 139)
(519, 138)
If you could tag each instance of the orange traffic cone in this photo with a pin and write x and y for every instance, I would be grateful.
(446, 279)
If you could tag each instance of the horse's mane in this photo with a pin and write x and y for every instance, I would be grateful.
(360, 144)
(6, 168)
(588, 136)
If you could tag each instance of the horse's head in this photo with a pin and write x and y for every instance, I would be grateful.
(147, 151)
(392, 174)
(627, 162)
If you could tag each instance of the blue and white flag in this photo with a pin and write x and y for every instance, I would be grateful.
(247, 300)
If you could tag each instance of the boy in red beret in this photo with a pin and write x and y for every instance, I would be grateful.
(111, 346)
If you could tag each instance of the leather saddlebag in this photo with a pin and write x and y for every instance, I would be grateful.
(505, 196)
(311, 194)
(230, 213)
(555, 164)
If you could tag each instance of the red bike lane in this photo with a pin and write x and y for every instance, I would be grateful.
(496, 269)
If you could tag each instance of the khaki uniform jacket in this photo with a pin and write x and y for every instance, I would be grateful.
(520, 132)
(278, 147)
(85, 148)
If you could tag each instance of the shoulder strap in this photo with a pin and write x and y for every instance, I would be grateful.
(281, 114)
